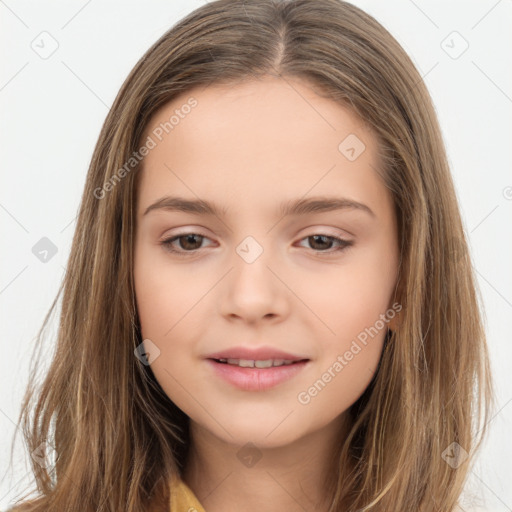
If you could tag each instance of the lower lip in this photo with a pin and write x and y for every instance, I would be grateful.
(256, 379)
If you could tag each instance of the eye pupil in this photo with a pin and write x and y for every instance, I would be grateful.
(327, 240)
(188, 238)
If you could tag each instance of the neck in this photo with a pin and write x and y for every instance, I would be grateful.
(295, 477)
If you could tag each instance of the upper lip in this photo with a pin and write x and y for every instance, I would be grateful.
(254, 354)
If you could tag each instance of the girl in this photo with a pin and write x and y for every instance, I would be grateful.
(213, 354)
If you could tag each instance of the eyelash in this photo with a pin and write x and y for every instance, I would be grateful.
(344, 244)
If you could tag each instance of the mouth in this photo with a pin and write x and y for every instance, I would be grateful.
(256, 375)
(260, 364)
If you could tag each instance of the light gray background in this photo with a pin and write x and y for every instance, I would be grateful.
(53, 109)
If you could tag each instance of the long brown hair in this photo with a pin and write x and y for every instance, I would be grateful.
(414, 432)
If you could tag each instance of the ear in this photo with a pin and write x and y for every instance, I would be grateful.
(396, 306)
(394, 323)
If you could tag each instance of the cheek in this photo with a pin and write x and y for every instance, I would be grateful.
(351, 302)
(348, 298)
(154, 304)
(170, 312)
(164, 298)
(164, 293)
(349, 352)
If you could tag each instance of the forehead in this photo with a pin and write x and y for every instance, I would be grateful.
(255, 108)
(258, 140)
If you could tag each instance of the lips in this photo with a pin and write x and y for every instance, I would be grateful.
(255, 354)
(256, 369)
(256, 379)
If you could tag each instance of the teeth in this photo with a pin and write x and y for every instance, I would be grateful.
(250, 363)
(264, 364)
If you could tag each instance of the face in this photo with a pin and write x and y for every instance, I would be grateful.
(316, 283)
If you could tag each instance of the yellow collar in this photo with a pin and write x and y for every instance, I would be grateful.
(182, 497)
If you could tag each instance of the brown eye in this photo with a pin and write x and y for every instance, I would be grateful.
(322, 243)
(187, 242)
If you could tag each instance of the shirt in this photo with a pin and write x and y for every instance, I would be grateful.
(182, 497)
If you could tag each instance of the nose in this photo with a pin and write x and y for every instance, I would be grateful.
(254, 290)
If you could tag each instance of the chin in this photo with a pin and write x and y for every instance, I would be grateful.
(272, 432)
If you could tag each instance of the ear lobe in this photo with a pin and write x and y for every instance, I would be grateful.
(394, 322)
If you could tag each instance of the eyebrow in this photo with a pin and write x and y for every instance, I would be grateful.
(317, 204)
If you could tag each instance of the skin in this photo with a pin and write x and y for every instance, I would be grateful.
(248, 147)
